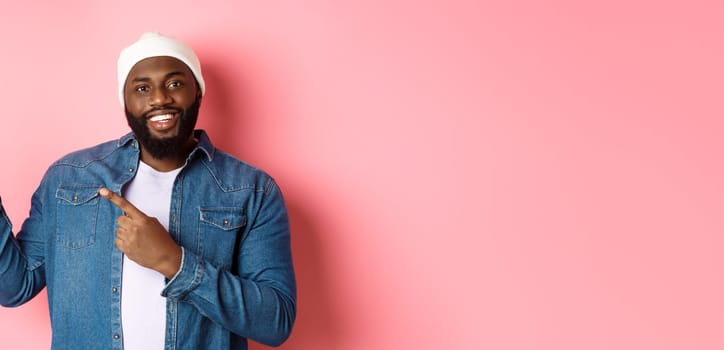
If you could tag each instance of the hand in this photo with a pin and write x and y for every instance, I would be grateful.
(143, 239)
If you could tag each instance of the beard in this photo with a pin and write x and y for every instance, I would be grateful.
(161, 148)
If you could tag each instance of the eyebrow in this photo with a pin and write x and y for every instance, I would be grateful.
(167, 76)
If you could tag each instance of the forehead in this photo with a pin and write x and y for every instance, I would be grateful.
(157, 67)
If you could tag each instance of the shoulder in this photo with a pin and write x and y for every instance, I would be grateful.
(230, 172)
(85, 156)
(233, 174)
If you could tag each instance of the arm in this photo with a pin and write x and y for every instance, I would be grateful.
(260, 302)
(22, 273)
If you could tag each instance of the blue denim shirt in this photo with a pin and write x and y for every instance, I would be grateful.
(236, 279)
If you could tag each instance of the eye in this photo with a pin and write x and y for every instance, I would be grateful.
(175, 84)
(141, 88)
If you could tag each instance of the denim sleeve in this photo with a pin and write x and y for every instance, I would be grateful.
(260, 302)
(22, 273)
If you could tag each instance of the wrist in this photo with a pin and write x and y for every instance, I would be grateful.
(171, 264)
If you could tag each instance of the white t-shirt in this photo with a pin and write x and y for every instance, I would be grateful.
(143, 309)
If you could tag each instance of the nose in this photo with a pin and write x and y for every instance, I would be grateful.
(159, 97)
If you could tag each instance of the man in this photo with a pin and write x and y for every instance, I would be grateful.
(157, 240)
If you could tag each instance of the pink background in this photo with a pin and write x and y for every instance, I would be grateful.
(460, 174)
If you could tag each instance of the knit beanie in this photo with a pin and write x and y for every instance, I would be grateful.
(155, 45)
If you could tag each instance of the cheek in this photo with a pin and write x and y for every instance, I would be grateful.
(185, 99)
(135, 106)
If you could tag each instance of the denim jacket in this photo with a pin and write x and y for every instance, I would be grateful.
(236, 279)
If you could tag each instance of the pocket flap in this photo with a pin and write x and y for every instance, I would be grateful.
(77, 194)
(224, 218)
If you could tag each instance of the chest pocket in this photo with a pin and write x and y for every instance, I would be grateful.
(77, 215)
(219, 230)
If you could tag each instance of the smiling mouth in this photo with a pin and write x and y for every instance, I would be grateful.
(161, 117)
(162, 121)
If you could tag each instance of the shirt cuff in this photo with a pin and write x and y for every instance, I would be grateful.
(187, 278)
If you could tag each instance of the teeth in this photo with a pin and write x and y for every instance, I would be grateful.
(160, 118)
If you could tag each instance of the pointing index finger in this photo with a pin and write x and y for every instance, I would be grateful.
(120, 202)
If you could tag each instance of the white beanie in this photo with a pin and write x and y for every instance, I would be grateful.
(155, 45)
